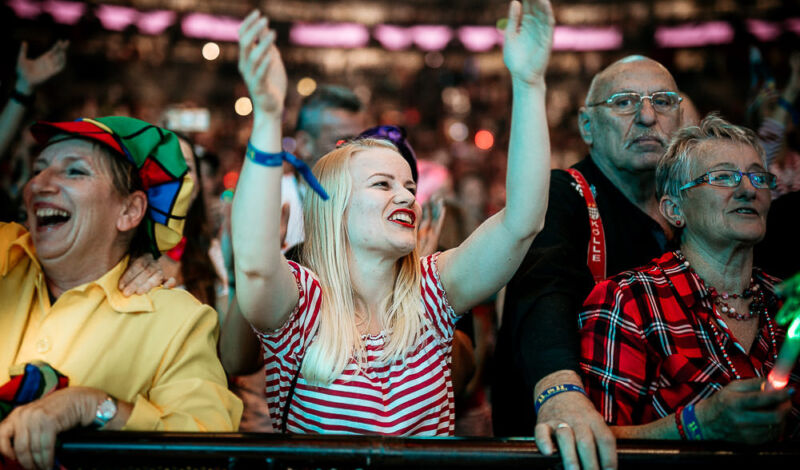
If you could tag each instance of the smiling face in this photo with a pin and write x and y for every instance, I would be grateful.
(634, 142)
(383, 213)
(74, 211)
(717, 217)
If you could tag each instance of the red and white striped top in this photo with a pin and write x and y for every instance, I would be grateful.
(414, 398)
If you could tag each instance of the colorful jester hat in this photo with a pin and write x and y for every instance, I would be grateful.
(156, 154)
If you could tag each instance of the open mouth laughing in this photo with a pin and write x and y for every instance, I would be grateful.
(50, 217)
(404, 217)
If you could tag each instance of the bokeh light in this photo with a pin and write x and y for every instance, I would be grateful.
(243, 106)
(230, 179)
(458, 131)
(434, 59)
(484, 139)
(210, 51)
(306, 86)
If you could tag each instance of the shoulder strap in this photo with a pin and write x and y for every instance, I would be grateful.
(290, 396)
(596, 253)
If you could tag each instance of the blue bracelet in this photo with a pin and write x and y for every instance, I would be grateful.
(690, 424)
(277, 159)
(553, 391)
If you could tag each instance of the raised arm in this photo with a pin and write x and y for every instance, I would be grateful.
(498, 246)
(265, 287)
(30, 74)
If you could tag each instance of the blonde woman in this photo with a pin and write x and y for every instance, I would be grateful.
(358, 339)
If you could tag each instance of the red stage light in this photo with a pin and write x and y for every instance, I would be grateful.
(484, 139)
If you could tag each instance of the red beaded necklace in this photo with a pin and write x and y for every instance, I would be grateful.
(757, 305)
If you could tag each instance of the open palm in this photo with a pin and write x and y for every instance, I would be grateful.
(34, 72)
(528, 39)
(260, 64)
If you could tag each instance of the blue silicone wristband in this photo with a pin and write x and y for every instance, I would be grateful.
(264, 158)
(690, 424)
(277, 159)
(553, 391)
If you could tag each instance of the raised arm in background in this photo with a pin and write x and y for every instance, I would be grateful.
(497, 247)
(30, 74)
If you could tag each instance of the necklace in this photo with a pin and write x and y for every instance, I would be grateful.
(759, 299)
(757, 305)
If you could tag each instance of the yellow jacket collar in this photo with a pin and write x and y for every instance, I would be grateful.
(109, 282)
(18, 238)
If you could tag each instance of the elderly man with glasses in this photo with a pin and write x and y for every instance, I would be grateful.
(602, 219)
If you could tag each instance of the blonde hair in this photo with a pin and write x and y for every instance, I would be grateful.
(337, 339)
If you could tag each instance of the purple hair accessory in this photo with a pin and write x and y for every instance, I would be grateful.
(397, 136)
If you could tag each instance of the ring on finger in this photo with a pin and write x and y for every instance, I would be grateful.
(562, 425)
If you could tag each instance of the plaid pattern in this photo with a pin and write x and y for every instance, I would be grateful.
(647, 343)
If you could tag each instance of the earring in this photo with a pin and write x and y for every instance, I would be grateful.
(679, 222)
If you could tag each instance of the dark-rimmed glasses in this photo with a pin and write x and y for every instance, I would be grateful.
(732, 178)
(630, 102)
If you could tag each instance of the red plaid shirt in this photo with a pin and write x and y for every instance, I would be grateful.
(647, 343)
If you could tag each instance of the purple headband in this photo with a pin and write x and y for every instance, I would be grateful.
(397, 136)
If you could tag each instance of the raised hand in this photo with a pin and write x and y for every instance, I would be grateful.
(33, 72)
(261, 66)
(528, 39)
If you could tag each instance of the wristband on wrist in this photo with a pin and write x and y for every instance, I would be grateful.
(679, 423)
(277, 159)
(553, 391)
(690, 424)
(789, 109)
(22, 98)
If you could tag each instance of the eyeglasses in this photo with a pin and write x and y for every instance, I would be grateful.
(629, 103)
(732, 178)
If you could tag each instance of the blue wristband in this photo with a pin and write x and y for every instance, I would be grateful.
(263, 158)
(277, 159)
(553, 391)
(690, 424)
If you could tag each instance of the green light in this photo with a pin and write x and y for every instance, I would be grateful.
(226, 196)
(794, 329)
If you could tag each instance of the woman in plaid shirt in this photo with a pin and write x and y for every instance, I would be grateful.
(679, 348)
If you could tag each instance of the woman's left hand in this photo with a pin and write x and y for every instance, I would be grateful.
(528, 40)
(143, 273)
(28, 434)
